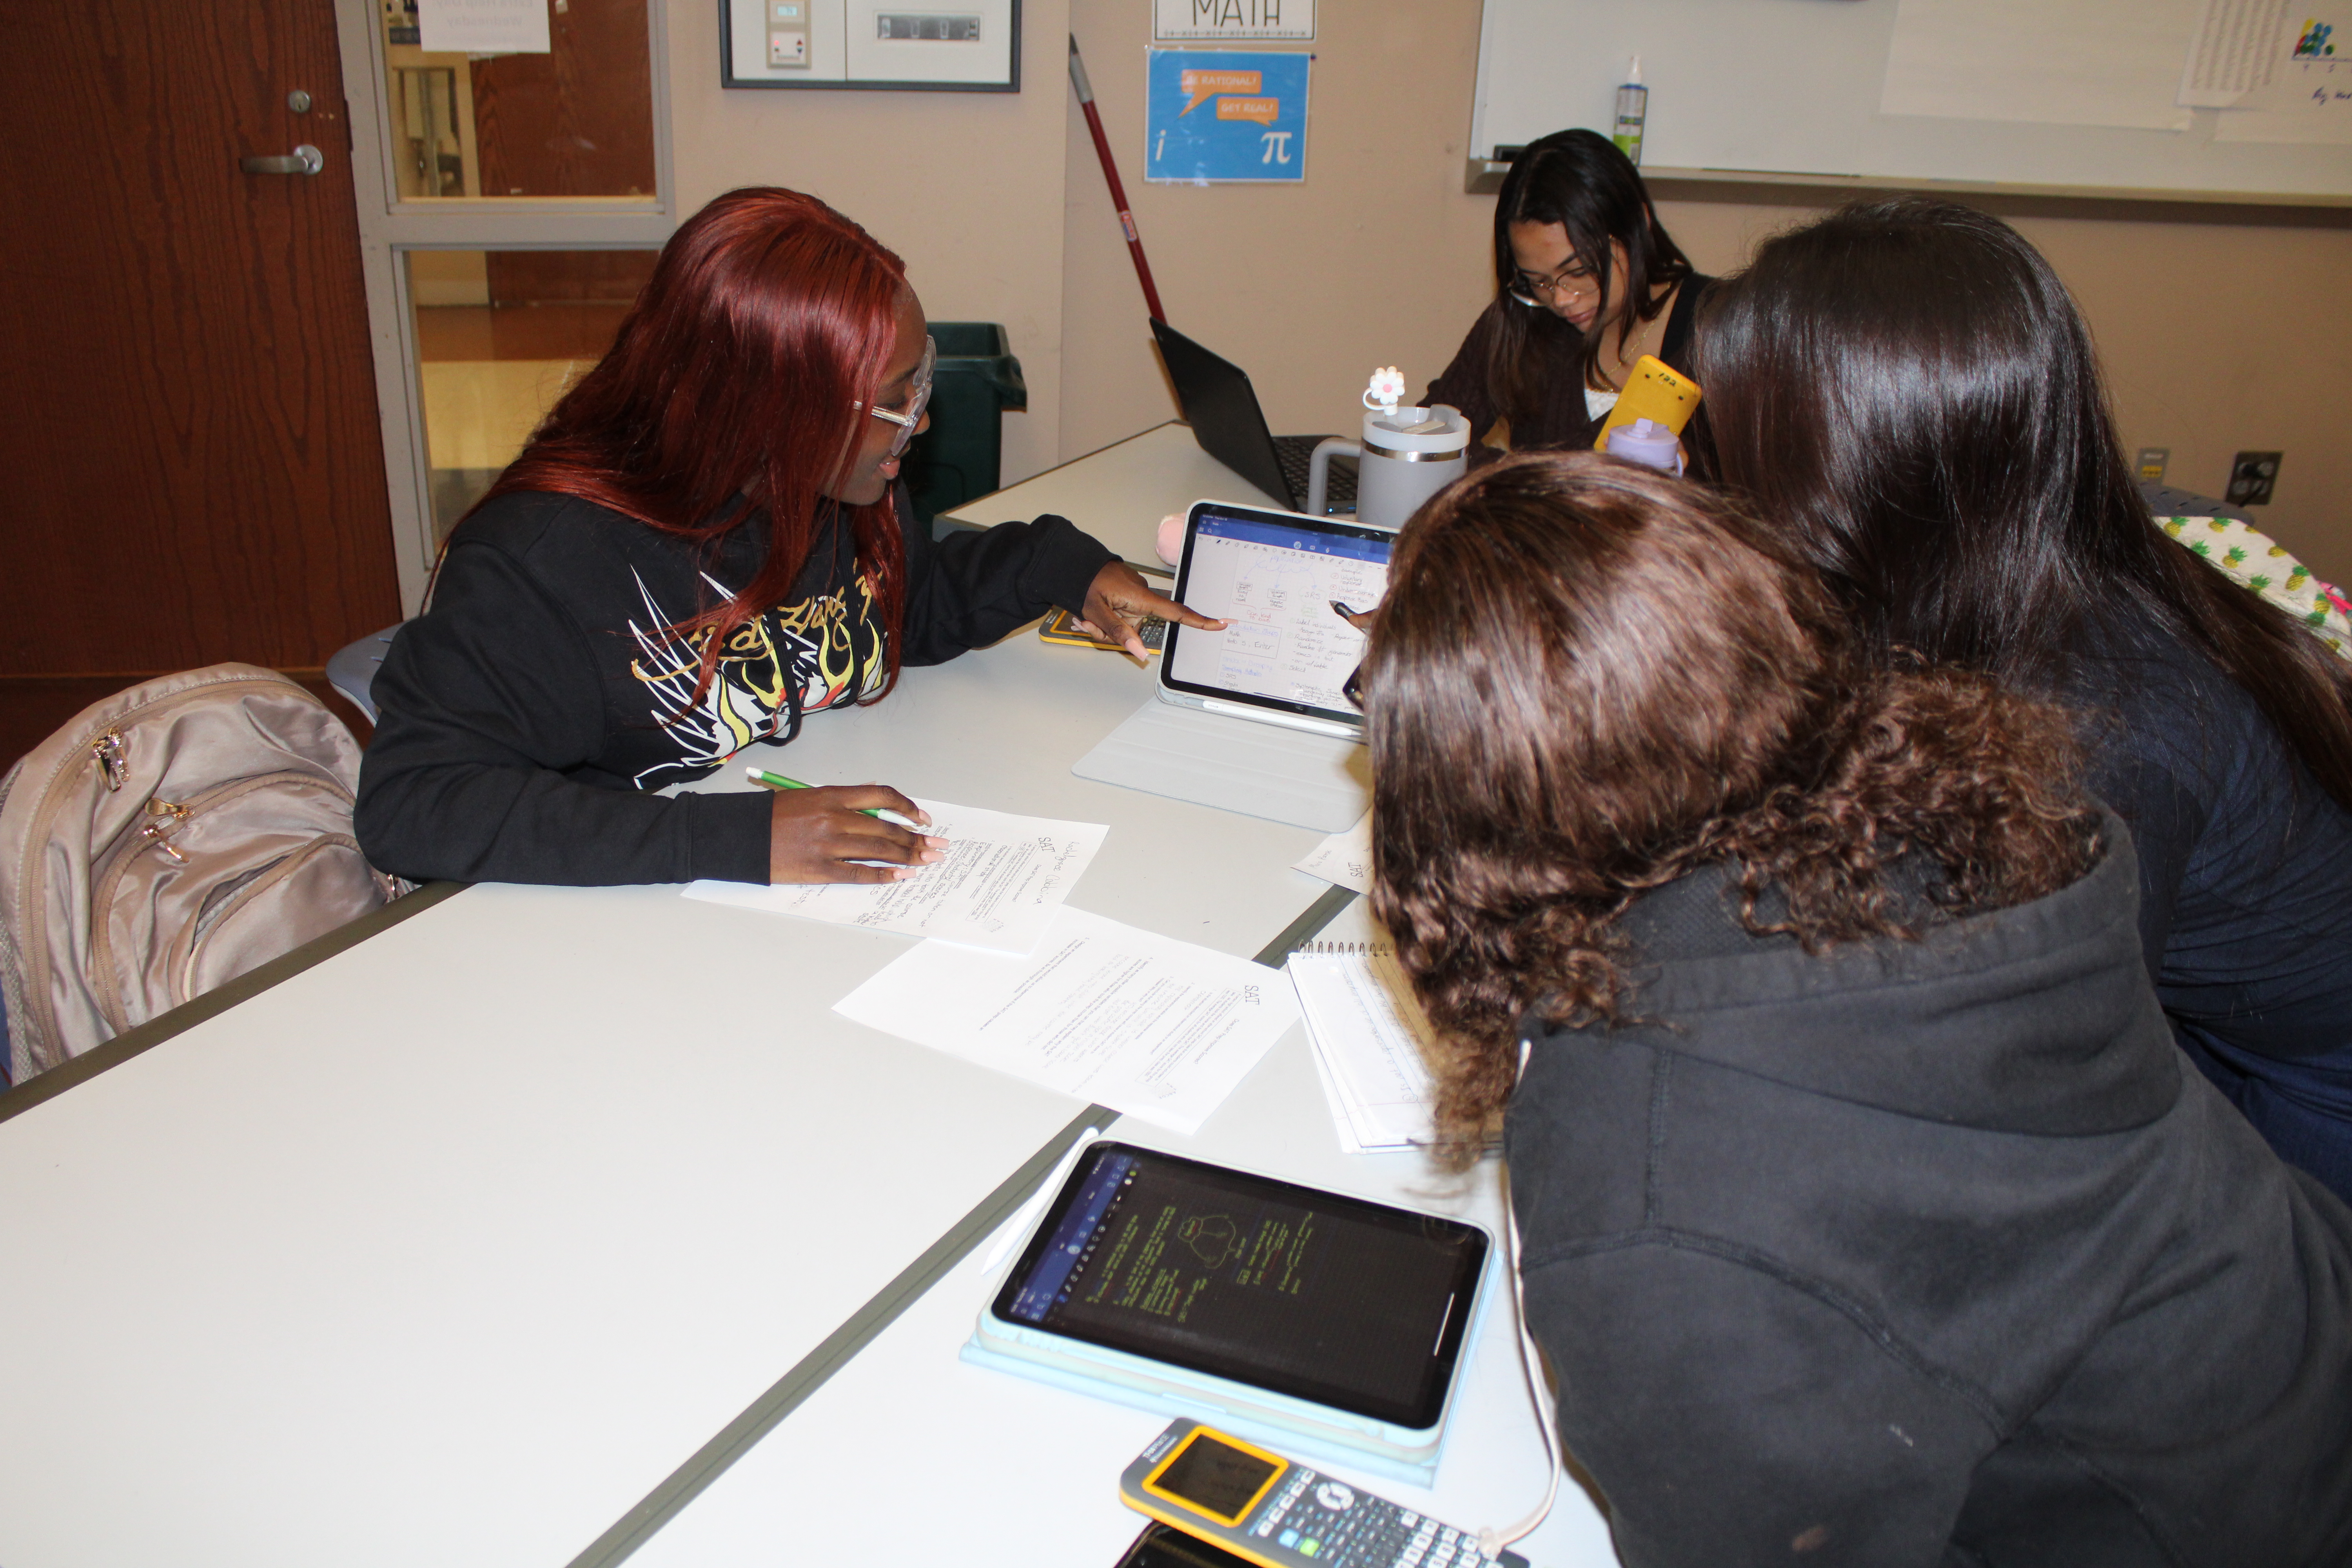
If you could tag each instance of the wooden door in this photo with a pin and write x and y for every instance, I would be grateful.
(195, 471)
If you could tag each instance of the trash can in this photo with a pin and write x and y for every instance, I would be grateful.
(957, 458)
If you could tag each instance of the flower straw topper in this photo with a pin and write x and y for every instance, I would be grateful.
(1386, 391)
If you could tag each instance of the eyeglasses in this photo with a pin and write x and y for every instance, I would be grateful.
(906, 419)
(1574, 280)
(1352, 689)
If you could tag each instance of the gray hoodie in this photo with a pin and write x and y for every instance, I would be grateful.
(1928, 1253)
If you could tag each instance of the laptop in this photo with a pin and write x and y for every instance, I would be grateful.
(1252, 719)
(1221, 406)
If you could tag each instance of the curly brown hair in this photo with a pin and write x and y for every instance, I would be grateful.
(1589, 679)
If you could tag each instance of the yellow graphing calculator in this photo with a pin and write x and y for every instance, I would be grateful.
(1277, 1512)
(1061, 627)
(1655, 390)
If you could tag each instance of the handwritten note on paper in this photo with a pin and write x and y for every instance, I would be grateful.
(1345, 857)
(484, 27)
(1146, 1025)
(1002, 879)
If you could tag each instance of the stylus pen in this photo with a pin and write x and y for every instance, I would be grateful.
(778, 781)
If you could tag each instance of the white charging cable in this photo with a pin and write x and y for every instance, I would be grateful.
(1494, 1538)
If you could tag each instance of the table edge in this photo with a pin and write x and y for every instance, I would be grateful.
(887, 1305)
(114, 1053)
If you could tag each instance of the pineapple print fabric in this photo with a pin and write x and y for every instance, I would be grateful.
(2247, 557)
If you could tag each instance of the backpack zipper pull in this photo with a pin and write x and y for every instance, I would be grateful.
(106, 752)
(163, 818)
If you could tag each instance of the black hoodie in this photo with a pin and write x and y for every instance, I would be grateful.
(529, 713)
(1928, 1253)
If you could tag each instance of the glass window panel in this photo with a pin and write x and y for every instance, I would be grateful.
(575, 121)
(501, 334)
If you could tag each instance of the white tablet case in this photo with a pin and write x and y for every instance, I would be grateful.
(1235, 764)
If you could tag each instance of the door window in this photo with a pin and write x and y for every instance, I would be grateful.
(576, 121)
(501, 335)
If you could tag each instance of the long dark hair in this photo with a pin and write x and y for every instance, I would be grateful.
(1588, 679)
(742, 370)
(1579, 180)
(1907, 387)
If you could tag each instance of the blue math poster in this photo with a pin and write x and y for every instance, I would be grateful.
(1218, 115)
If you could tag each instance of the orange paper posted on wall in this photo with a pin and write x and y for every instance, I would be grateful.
(1199, 86)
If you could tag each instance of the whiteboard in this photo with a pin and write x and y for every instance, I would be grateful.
(1791, 87)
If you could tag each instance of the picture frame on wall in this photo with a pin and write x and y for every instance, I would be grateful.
(904, 46)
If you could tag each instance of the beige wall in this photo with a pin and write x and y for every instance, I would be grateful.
(2216, 336)
(966, 186)
(1373, 260)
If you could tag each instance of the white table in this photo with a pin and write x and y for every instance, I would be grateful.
(453, 1247)
(1119, 494)
(906, 1438)
(469, 1241)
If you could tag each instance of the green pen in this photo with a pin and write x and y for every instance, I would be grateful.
(778, 781)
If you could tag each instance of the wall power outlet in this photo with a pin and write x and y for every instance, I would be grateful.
(2252, 477)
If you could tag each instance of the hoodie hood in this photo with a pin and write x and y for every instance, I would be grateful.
(2033, 1019)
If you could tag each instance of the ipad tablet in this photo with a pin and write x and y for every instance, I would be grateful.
(1273, 577)
(1333, 1301)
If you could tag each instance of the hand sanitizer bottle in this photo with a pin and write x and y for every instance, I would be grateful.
(1633, 109)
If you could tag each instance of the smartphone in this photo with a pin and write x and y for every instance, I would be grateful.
(1061, 627)
(1160, 1547)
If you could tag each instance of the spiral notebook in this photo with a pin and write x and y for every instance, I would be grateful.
(1371, 1039)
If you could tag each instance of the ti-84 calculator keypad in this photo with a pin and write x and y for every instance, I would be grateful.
(1330, 1522)
(1259, 1505)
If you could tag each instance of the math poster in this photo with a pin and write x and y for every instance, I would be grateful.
(1222, 116)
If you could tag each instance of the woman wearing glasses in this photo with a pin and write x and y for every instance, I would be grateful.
(1586, 282)
(703, 544)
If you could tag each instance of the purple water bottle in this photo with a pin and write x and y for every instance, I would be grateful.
(1649, 443)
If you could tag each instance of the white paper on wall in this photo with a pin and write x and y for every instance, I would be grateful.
(1231, 21)
(2305, 90)
(484, 27)
(2234, 51)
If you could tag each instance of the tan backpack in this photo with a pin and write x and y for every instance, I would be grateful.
(171, 837)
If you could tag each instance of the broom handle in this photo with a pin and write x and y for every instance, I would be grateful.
(1117, 191)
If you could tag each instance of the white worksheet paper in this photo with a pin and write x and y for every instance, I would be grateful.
(1002, 879)
(1345, 857)
(1369, 1037)
(1146, 1025)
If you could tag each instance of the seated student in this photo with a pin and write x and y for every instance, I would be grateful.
(702, 545)
(1586, 282)
(1906, 391)
(1869, 1215)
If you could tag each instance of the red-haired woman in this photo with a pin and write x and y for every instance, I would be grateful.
(702, 545)
(1868, 1213)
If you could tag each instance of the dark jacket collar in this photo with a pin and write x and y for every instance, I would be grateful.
(2035, 1019)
